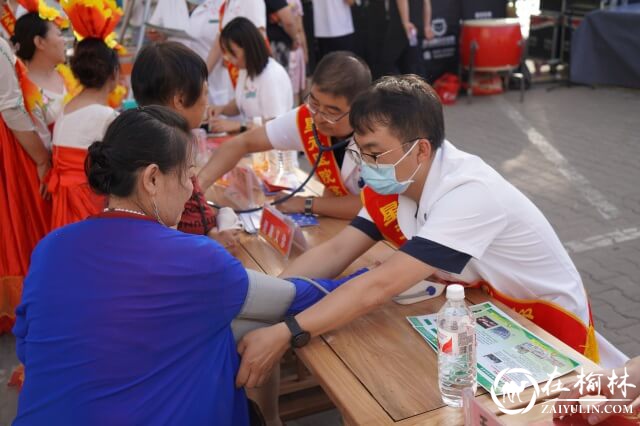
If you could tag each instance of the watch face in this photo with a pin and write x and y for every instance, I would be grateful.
(300, 340)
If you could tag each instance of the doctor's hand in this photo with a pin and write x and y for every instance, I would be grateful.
(261, 350)
(215, 111)
(156, 36)
(218, 125)
(292, 205)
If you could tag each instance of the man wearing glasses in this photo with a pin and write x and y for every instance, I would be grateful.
(338, 79)
(461, 220)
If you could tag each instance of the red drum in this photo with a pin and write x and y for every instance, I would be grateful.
(498, 44)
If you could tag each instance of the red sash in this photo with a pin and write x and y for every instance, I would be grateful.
(8, 20)
(383, 209)
(328, 171)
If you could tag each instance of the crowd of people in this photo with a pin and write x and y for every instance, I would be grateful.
(125, 298)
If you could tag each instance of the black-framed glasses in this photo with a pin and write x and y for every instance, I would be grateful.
(372, 159)
(314, 108)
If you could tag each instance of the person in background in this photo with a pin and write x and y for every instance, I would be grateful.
(39, 44)
(282, 30)
(201, 21)
(333, 26)
(31, 95)
(264, 88)
(25, 216)
(338, 79)
(396, 47)
(82, 122)
(172, 75)
(299, 57)
(126, 321)
(253, 10)
(84, 119)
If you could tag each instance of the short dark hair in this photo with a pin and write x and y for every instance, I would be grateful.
(163, 70)
(404, 104)
(93, 63)
(135, 139)
(28, 27)
(246, 35)
(342, 74)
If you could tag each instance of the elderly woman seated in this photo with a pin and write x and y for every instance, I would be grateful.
(125, 320)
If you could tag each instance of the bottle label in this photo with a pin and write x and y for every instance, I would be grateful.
(456, 344)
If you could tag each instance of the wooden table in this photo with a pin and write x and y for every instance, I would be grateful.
(377, 370)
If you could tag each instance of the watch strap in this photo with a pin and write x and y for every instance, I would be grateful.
(308, 206)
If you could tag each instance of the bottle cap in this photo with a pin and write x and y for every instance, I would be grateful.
(455, 292)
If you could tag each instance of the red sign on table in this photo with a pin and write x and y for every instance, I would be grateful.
(278, 230)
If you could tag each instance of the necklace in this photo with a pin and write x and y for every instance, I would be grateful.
(113, 209)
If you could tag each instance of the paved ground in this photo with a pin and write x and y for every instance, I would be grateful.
(576, 153)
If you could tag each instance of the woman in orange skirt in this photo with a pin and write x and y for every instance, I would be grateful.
(30, 99)
(86, 117)
(24, 161)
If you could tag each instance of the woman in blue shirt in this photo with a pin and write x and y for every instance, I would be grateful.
(123, 319)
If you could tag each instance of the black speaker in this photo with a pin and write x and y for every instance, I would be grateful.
(551, 6)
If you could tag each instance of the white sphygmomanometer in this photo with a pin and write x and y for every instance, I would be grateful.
(422, 291)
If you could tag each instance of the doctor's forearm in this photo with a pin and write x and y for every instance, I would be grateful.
(310, 265)
(346, 207)
(363, 294)
(223, 159)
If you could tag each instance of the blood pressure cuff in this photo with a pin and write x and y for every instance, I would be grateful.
(269, 299)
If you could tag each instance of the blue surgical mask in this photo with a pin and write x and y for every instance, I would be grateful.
(382, 178)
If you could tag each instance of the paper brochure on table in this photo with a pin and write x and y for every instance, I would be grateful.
(502, 344)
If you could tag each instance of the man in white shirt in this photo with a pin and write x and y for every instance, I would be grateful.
(462, 221)
(333, 26)
(338, 78)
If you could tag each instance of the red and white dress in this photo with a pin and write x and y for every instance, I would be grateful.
(24, 215)
(73, 199)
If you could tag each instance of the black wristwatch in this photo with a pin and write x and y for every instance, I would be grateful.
(299, 337)
(308, 206)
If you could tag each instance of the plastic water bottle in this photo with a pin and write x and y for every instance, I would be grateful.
(456, 348)
(413, 37)
(282, 167)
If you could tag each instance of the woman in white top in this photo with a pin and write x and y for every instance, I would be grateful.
(264, 88)
(82, 122)
(253, 10)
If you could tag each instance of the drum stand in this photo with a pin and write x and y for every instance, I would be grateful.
(510, 72)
